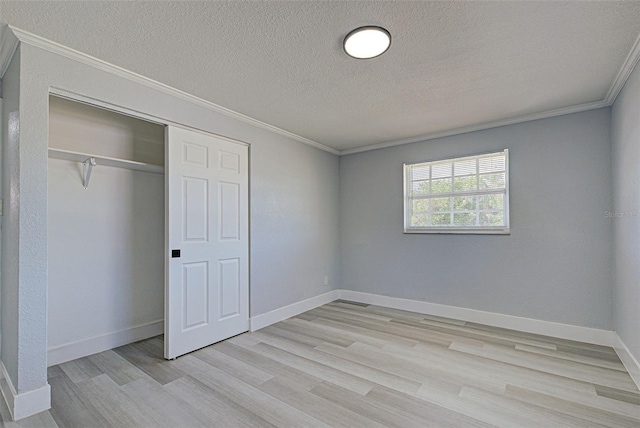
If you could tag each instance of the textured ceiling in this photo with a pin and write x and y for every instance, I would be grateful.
(450, 65)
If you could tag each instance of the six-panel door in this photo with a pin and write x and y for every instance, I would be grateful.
(207, 287)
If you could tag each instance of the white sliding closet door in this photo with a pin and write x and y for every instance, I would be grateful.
(207, 286)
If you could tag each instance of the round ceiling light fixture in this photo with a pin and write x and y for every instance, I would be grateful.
(367, 42)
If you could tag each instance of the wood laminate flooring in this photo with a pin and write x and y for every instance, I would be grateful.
(349, 365)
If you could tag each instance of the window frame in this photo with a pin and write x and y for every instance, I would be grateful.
(479, 230)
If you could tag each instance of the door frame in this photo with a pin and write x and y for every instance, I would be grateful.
(93, 102)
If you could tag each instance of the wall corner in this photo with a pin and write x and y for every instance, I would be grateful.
(27, 403)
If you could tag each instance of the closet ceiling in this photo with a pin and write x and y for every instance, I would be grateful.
(450, 65)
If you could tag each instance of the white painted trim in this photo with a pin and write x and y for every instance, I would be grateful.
(25, 404)
(480, 127)
(72, 96)
(528, 325)
(280, 314)
(624, 73)
(79, 98)
(11, 36)
(56, 48)
(82, 348)
(630, 362)
(8, 46)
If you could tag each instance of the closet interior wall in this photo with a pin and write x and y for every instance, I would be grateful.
(106, 242)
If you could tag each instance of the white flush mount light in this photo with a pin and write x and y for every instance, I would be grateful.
(367, 42)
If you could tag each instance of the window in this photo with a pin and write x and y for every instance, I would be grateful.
(461, 195)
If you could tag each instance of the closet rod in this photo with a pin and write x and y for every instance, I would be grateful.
(104, 161)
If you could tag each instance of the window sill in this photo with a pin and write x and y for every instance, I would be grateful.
(460, 231)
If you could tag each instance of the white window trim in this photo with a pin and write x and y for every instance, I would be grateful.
(496, 230)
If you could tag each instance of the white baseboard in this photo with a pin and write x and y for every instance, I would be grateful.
(630, 362)
(528, 325)
(25, 404)
(71, 351)
(292, 310)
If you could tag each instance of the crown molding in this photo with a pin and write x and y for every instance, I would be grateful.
(56, 48)
(8, 46)
(618, 83)
(10, 36)
(480, 127)
(624, 73)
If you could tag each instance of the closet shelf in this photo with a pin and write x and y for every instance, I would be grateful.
(105, 161)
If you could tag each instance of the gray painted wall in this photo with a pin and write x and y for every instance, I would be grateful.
(625, 132)
(556, 265)
(294, 224)
(9, 288)
(294, 193)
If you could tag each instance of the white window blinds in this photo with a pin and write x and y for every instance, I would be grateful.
(460, 195)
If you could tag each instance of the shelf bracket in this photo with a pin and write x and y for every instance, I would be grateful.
(87, 166)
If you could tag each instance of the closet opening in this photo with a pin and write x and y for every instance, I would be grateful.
(148, 233)
(106, 243)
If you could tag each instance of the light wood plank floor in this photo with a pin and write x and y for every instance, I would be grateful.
(349, 365)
